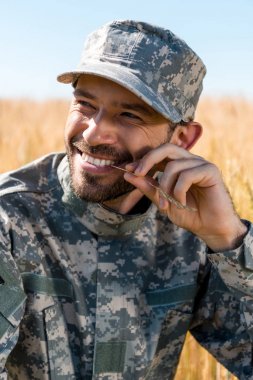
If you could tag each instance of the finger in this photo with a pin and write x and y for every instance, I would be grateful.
(132, 166)
(150, 188)
(173, 170)
(163, 153)
(203, 176)
(147, 187)
(130, 200)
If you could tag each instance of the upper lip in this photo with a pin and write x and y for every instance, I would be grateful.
(119, 161)
(99, 157)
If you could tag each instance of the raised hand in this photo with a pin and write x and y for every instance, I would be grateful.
(194, 183)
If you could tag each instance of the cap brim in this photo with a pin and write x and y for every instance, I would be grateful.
(124, 77)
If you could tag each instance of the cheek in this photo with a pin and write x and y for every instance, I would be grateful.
(74, 124)
(137, 142)
(141, 140)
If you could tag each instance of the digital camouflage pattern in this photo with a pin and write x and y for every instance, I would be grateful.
(108, 296)
(148, 60)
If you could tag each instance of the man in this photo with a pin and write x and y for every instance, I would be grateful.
(109, 255)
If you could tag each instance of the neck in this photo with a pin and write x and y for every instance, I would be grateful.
(131, 203)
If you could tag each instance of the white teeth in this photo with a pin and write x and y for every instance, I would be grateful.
(96, 161)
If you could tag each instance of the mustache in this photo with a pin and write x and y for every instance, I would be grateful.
(103, 149)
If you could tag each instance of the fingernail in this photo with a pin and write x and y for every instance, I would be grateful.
(128, 176)
(132, 166)
(139, 168)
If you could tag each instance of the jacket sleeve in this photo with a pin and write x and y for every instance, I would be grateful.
(12, 296)
(223, 317)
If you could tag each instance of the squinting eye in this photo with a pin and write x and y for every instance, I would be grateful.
(130, 116)
(85, 104)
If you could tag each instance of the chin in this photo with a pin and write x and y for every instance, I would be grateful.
(90, 190)
(95, 188)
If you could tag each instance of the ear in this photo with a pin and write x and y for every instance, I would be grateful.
(187, 135)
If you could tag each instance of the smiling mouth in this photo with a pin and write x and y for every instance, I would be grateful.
(96, 161)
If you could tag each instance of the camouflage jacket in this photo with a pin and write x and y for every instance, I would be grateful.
(86, 293)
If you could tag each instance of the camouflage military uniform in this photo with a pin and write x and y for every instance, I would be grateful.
(107, 296)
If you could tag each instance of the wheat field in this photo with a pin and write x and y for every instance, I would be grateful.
(30, 129)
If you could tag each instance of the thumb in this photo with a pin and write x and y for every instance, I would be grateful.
(130, 200)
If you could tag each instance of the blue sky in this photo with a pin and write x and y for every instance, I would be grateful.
(40, 39)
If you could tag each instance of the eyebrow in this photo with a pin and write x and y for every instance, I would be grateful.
(79, 92)
(128, 106)
(137, 107)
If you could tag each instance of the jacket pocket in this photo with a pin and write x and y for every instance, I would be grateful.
(165, 317)
(12, 299)
(47, 321)
(169, 345)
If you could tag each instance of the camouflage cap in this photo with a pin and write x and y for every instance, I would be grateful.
(150, 61)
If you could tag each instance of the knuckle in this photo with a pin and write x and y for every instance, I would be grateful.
(171, 168)
(184, 176)
(177, 191)
(213, 168)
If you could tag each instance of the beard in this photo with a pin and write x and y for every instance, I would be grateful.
(93, 188)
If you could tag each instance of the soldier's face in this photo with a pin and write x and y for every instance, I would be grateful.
(108, 125)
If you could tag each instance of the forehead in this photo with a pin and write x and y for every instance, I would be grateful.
(99, 88)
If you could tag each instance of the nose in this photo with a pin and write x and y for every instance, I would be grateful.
(100, 130)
